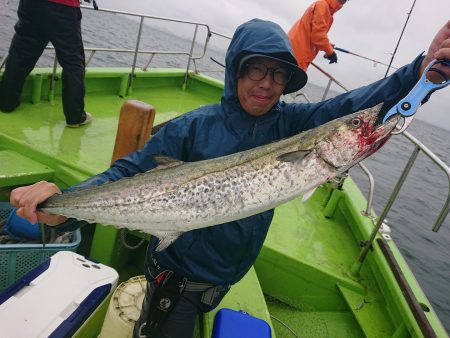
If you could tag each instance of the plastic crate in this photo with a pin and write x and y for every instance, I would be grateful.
(5, 210)
(16, 260)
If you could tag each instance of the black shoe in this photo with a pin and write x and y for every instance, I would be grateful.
(8, 108)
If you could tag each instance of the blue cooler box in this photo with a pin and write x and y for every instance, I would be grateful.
(55, 299)
(238, 324)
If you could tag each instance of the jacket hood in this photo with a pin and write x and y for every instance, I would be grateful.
(265, 38)
(335, 5)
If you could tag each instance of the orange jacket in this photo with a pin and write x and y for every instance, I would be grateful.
(309, 34)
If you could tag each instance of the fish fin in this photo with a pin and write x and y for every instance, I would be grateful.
(166, 238)
(307, 195)
(293, 156)
(166, 161)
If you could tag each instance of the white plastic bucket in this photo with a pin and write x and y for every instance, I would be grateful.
(124, 309)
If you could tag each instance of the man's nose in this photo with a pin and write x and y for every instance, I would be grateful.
(269, 78)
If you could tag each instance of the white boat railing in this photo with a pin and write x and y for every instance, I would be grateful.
(136, 51)
(418, 146)
(331, 80)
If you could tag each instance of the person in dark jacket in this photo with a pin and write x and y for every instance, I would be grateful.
(41, 22)
(260, 67)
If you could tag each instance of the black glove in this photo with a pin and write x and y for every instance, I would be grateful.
(332, 57)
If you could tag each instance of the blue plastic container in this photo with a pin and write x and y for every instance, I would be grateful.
(238, 324)
(20, 228)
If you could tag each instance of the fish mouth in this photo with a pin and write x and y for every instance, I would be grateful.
(381, 133)
(381, 130)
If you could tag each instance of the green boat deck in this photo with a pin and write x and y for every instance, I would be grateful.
(300, 284)
(42, 127)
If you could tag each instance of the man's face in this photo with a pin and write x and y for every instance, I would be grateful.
(261, 84)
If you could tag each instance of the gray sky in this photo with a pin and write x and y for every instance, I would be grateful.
(367, 28)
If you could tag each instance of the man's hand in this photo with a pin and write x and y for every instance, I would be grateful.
(332, 57)
(27, 198)
(439, 49)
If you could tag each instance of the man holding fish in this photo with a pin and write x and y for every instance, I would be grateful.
(260, 67)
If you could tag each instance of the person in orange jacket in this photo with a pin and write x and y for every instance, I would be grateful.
(309, 34)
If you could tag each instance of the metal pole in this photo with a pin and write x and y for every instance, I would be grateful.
(3, 63)
(371, 189)
(136, 51)
(149, 61)
(190, 57)
(51, 93)
(327, 89)
(356, 267)
(91, 55)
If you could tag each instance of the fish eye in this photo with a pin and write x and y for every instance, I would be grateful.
(356, 122)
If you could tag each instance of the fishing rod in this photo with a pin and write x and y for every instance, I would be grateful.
(398, 42)
(363, 57)
(216, 61)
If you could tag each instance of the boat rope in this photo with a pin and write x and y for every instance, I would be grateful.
(123, 235)
(285, 325)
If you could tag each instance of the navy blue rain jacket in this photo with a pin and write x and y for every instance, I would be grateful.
(222, 254)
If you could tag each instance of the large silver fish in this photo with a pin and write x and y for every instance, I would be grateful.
(177, 196)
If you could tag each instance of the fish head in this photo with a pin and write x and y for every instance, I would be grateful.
(355, 137)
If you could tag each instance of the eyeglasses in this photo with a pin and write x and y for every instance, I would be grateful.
(258, 71)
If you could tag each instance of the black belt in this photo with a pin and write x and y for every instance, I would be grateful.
(167, 294)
